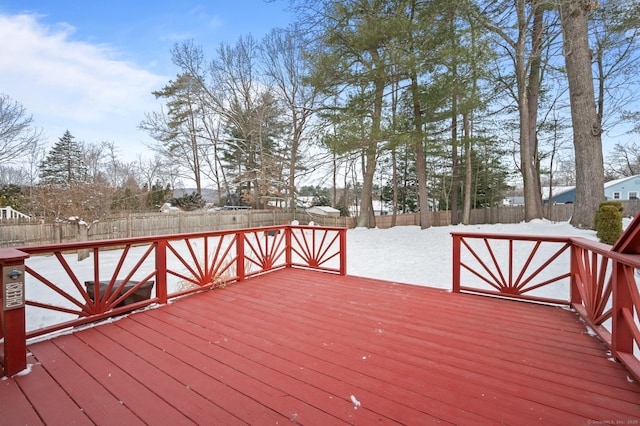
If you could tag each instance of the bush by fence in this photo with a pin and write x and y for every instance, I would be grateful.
(143, 225)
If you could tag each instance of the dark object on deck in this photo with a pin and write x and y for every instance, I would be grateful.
(142, 293)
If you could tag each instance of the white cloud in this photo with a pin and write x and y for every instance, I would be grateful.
(74, 85)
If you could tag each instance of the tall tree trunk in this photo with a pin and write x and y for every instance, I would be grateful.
(528, 167)
(421, 167)
(586, 125)
(334, 201)
(468, 170)
(366, 218)
(454, 126)
(533, 91)
(394, 179)
(195, 151)
(293, 161)
(454, 161)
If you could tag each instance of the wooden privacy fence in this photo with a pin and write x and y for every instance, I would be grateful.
(491, 215)
(148, 224)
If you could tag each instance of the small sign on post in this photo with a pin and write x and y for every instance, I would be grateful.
(13, 287)
(13, 357)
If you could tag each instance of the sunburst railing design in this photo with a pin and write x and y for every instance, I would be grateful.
(318, 248)
(601, 284)
(592, 285)
(110, 280)
(509, 265)
(264, 250)
(92, 290)
(206, 262)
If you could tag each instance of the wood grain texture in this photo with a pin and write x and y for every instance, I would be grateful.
(313, 348)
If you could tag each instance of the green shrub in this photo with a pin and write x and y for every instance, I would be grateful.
(608, 221)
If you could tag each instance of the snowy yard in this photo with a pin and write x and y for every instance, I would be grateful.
(423, 257)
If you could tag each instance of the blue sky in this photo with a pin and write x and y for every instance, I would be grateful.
(90, 67)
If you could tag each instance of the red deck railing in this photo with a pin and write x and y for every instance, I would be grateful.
(600, 284)
(67, 292)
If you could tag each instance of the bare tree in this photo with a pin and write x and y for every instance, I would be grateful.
(623, 160)
(17, 134)
(117, 172)
(285, 68)
(93, 154)
(565, 173)
(515, 32)
(155, 169)
(13, 176)
(231, 89)
(177, 130)
(615, 32)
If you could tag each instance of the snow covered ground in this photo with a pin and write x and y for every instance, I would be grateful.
(410, 255)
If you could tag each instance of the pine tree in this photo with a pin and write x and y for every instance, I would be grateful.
(158, 195)
(64, 165)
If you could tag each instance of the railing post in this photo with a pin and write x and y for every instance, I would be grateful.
(240, 255)
(12, 315)
(161, 268)
(456, 264)
(574, 296)
(343, 251)
(621, 334)
(288, 251)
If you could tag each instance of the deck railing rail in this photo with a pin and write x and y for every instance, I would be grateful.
(72, 284)
(600, 284)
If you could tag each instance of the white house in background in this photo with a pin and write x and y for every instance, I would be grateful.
(627, 188)
(323, 211)
(7, 213)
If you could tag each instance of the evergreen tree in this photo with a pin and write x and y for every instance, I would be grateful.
(11, 195)
(158, 195)
(64, 165)
(188, 202)
(321, 197)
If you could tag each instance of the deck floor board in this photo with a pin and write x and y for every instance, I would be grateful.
(312, 348)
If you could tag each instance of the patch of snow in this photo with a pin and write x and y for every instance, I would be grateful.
(25, 371)
(356, 403)
(590, 331)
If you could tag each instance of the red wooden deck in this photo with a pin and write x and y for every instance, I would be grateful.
(313, 348)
